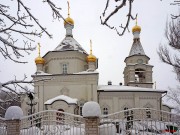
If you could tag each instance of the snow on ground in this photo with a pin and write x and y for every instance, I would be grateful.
(107, 129)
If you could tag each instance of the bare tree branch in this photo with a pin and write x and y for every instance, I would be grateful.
(169, 54)
(115, 11)
(23, 23)
(172, 34)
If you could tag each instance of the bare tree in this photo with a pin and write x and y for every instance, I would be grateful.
(172, 34)
(169, 54)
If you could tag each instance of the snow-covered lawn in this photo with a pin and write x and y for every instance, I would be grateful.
(104, 129)
(139, 128)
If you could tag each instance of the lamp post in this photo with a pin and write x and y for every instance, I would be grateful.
(32, 101)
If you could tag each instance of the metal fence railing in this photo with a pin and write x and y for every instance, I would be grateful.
(140, 121)
(2, 126)
(52, 122)
(136, 121)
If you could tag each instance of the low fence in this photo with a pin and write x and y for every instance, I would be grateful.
(2, 126)
(137, 121)
(52, 122)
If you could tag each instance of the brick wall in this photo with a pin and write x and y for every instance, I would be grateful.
(13, 127)
(91, 125)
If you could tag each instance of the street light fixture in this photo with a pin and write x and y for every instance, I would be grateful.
(32, 101)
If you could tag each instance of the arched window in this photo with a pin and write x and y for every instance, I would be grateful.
(148, 113)
(105, 111)
(59, 115)
(126, 112)
(139, 75)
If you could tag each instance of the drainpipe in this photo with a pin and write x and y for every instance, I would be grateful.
(98, 97)
(161, 103)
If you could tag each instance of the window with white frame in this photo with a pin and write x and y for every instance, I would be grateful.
(105, 111)
(64, 68)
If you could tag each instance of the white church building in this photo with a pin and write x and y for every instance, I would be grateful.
(72, 79)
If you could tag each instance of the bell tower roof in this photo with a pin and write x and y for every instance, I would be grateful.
(136, 49)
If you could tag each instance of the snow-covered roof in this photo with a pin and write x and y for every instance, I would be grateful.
(39, 72)
(168, 103)
(67, 99)
(170, 106)
(119, 88)
(88, 72)
(136, 49)
(69, 44)
(134, 64)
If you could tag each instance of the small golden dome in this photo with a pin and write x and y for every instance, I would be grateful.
(91, 57)
(39, 60)
(136, 28)
(69, 20)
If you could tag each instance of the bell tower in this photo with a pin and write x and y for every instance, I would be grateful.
(138, 72)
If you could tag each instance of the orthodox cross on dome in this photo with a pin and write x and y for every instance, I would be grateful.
(39, 49)
(91, 57)
(136, 20)
(136, 28)
(90, 46)
(68, 8)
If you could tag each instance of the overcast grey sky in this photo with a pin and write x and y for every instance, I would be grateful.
(107, 45)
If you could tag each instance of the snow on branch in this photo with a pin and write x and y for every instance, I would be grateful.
(19, 27)
(169, 53)
(14, 89)
(15, 85)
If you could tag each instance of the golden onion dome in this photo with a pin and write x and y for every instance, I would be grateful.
(69, 20)
(136, 28)
(39, 60)
(91, 57)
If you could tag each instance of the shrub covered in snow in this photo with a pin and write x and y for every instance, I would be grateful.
(13, 112)
(91, 108)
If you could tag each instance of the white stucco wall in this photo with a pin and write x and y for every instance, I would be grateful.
(75, 86)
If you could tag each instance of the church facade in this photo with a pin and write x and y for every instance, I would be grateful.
(70, 79)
